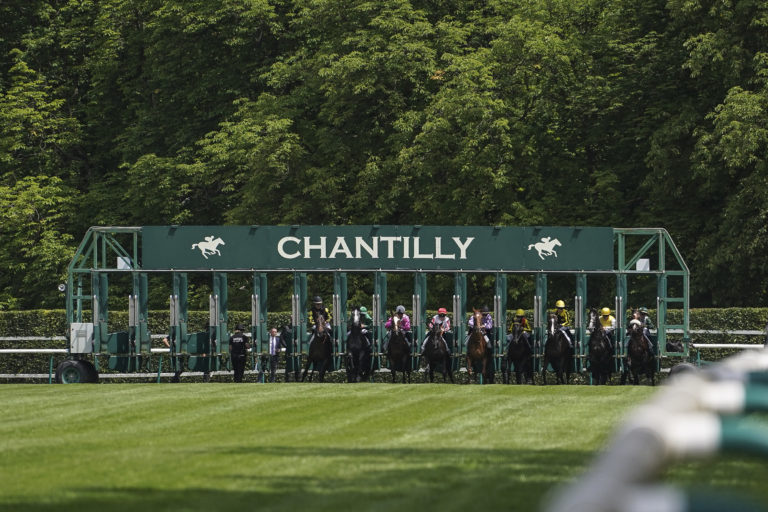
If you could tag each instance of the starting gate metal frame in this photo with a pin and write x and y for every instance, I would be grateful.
(92, 259)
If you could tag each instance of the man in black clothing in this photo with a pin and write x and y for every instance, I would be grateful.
(238, 346)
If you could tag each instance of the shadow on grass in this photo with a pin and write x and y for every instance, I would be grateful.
(358, 478)
(341, 479)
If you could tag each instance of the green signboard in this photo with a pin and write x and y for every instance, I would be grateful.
(449, 248)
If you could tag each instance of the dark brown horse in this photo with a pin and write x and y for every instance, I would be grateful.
(478, 354)
(320, 354)
(600, 355)
(639, 359)
(358, 351)
(398, 351)
(519, 355)
(557, 352)
(436, 355)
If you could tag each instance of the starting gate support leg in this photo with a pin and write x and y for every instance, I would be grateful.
(419, 307)
(141, 331)
(221, 334)
(579, 306)
(500, 313)
(300, 327)
(259, 327)
(540, 318)
(379, 309)
(621, 315)
(459, 320)
(100, 288)
(178, 331)
(339, 315)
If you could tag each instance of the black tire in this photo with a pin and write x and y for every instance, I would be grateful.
(72, 372)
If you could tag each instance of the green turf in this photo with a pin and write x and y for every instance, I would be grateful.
(205, 447)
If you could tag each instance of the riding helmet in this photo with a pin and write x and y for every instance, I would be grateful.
(400, 309)
(485, 309)
(559, 304)
(605, 311)
(363, 309)
(442, 311)
(643, 310)
(520, 312)
(239, 327)
(317, 300)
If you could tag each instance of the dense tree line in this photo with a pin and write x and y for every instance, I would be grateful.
(566, 112)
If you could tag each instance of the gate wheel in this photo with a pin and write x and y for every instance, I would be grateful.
(72, 372)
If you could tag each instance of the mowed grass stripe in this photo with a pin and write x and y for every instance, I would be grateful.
(287, 447)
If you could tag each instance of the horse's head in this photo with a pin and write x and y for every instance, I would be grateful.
(553, 324)
(396, 323)
(635, 328)
(478, 319)
(593, 320)
(320, 324)
(356, 317)
(517, 331)
(218, 241)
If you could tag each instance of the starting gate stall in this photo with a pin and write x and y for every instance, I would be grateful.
(263, 250)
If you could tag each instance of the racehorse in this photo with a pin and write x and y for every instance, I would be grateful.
(519, 354)
(639, 358)
(557, 352)
(320, 354)
(398, 351)
(358, 350)
(478, 354)
(436, 354)
(600, 354)
(208, 248)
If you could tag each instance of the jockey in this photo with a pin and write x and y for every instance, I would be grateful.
(487, 324)
(405, 326)
(444, 321)
(317, 310)
(647, 326)
(608, 321)
(565, 321)
(520, 319)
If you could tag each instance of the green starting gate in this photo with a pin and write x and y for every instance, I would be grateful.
(261, 250)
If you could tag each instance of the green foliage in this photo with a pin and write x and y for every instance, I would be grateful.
(621, 113)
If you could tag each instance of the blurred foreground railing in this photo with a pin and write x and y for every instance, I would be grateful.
(698, 414)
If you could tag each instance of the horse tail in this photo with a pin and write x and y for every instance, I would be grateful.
(194, 245)
(530, 246)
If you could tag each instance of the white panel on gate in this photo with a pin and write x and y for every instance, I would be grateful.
(81, 338)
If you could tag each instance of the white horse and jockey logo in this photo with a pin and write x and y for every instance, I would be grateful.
(546, 247)
(209, 247)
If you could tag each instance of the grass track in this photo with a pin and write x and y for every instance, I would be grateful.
(204, 447)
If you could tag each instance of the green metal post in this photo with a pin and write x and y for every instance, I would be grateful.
(580, 311)
(459, 316)
(419, 311)
(220, 330)
(500, 313)
(380, 315)
(300, 322)
(621, 313)
(540, 318)
(259, 327)
(100, 288)
(339, 315)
